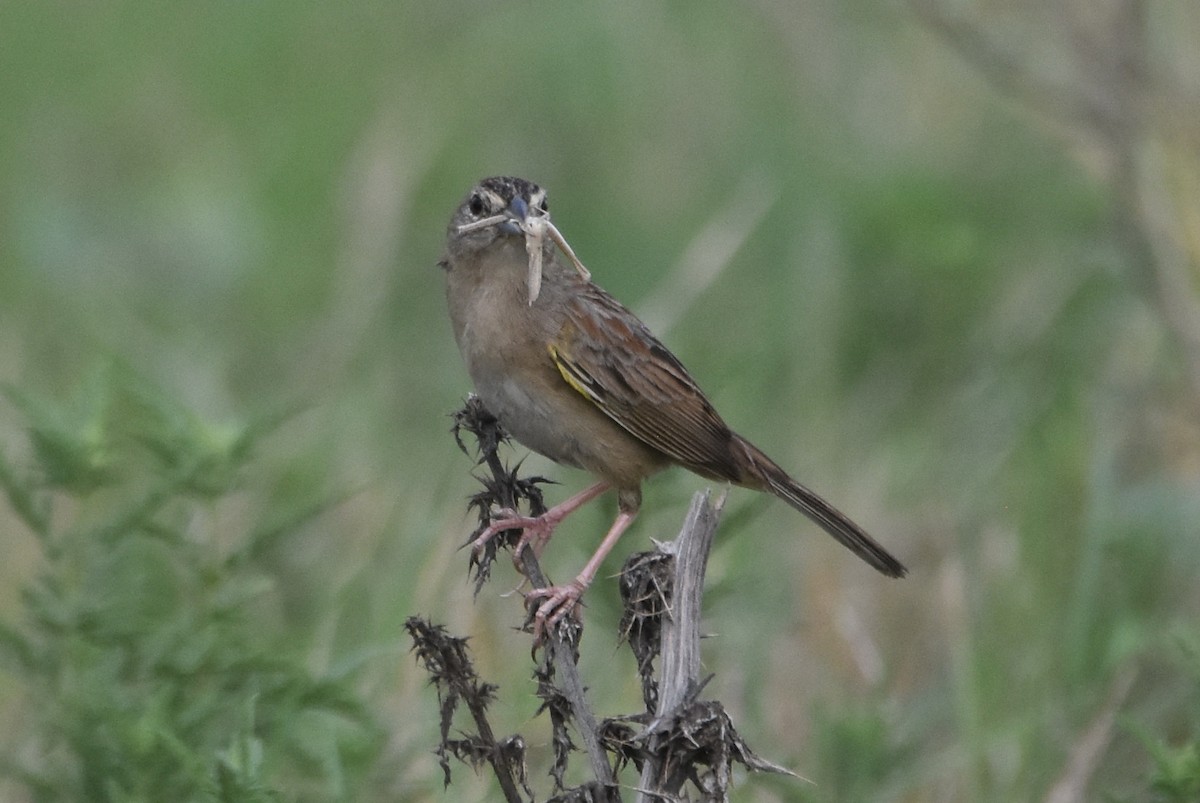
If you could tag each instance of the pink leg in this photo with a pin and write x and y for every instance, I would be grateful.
(560, 600)
(537, 529)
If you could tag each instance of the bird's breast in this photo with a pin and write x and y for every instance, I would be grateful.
(505, 344)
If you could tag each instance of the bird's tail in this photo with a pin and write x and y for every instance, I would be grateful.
(766, 475)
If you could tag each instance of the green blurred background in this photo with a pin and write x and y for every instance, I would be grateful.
(943, 264)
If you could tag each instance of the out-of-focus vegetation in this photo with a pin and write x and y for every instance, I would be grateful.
(943, 265)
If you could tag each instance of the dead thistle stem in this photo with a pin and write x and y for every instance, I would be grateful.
(678, 740)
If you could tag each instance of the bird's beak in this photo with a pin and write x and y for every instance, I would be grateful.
(517, 212)
(515, 220)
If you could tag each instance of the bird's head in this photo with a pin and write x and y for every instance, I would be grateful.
(501, 209)
(497, 207)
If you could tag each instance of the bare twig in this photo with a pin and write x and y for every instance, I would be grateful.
(680, 674)
(679, 642)
(685, 732)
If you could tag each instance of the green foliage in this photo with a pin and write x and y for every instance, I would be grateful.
(143, 653)
(1176, 777)
(1175, 773)
(857, 753)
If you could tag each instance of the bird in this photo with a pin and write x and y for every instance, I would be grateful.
(574, 375)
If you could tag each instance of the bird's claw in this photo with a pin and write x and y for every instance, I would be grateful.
(535, 532)
(556, 603)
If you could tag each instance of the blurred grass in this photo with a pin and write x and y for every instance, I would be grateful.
(933, 323)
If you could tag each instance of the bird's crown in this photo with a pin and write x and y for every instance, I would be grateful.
(493, 195)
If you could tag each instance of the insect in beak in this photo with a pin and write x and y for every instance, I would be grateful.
(535, 227)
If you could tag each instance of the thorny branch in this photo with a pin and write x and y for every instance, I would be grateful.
(505, 489)
(450, 670)
(678, 739)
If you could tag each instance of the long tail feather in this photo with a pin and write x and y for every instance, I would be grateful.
(830, 519)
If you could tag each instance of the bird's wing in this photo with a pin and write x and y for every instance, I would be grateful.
(605, 353)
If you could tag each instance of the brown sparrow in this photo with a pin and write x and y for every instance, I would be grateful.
(575, 376)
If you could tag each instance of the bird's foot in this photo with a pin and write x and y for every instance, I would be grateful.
(535, 531)
(552, 604)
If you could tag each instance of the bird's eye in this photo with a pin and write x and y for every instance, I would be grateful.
(476, 205)
(544, 205)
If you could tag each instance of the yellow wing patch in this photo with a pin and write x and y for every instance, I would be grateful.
(570, 375)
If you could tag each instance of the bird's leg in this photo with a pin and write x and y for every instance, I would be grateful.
(558, 601)
(538, 536)
(536, 530)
